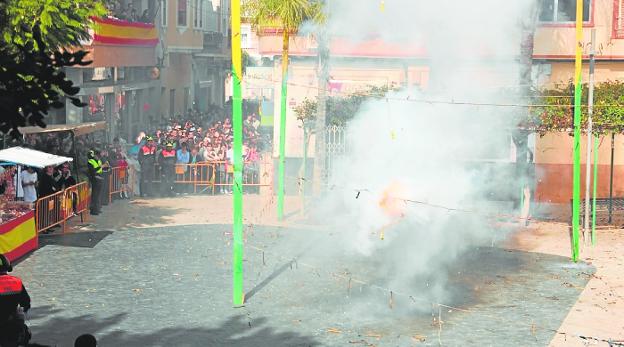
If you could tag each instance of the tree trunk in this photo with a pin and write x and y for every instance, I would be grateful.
(320, 152)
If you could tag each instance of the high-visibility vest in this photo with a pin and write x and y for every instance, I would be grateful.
(96, 164)
(148, 150)
(10, 285)
(169, 154)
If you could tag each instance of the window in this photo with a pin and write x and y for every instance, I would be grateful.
(172, 102)
(198, 14)
(562, 11)
(246, 36)
(182, 13)
(187, 94)
(201, 13)
(618, 20)
(164, 11)
(121, 73)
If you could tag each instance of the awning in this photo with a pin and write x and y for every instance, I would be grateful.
(30, 157)
(78, 129)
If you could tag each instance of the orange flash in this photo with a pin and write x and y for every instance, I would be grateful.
(390, 201)
(392, 205)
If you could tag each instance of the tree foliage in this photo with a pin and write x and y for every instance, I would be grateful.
(555, 111)
(33, 53)
(340, 109)
(287, 15)
(61, 23)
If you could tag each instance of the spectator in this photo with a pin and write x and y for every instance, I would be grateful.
(134, 17)
(95, 179)
(195, 157)
(29, 180)
(66, 179)
(86, 340)
(47, 187)
(106, 173)
(146, 17)
(183, 157)
(48, 184)
(122, 164)
(167, 161)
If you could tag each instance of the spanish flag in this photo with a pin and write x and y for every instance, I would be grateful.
(19, 236)
(111, 31)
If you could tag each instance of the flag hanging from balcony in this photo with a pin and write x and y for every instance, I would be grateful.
(111, 31)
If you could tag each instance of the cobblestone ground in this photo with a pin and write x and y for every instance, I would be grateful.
(172, 287)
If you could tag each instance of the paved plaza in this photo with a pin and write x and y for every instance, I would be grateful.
(171, 286)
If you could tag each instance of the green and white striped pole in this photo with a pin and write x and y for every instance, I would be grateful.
(576, 172)
(282, 137)
(593, 237)
(238, 296)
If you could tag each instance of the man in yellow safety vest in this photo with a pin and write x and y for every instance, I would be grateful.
(96, 180)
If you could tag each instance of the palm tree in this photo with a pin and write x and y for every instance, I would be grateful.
(288, 15)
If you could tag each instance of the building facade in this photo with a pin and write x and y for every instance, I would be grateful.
(553, 63)
(195, 59)
(146, 69)
(354, 67)
(122, 84)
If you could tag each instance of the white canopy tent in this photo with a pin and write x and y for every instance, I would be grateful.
(31, 157)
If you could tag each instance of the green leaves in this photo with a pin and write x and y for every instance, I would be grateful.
(32, 57)
(62, 23)
(340, 109)
(306, 112)
(287, 15)
(554, 109)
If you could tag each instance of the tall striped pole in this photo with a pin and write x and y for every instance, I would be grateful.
(237, 121)
(282, 138)
(593, 235)
(576, 180)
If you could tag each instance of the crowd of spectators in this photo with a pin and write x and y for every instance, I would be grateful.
(206, 144)
(117, 10)
(206, 138)
(29, 184)
(196, 136)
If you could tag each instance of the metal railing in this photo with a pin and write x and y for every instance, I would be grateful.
(211, 176)
(336, 147)
(77, 200)
(56, 209)
(49, 211)
(119, 182)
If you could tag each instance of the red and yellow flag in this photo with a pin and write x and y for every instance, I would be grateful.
(19, 236)
(120, 32)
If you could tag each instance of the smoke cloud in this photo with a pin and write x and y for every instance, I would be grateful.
(411, 163)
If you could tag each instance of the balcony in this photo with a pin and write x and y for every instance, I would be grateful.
(118, 42)
(213, 40)
(214, 43)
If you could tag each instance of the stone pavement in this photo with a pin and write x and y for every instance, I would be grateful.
(171, 286)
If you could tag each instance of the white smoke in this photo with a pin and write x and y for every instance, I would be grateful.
(403, 147)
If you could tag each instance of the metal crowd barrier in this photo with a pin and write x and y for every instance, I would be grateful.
(77, 199)
(58, 208)
(198, 175)
(119, 182)
(49, 211)
(215, 175)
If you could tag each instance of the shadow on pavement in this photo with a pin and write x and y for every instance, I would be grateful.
(125, 214)
(84, 240)
(235, 331)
